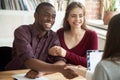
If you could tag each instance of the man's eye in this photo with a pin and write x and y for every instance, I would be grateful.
(46, 15)
(53, 17)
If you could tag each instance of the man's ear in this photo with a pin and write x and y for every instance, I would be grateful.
(36, 16)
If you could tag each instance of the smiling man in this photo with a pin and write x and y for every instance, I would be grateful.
(31, 44)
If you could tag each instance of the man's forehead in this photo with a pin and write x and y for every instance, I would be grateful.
(48, 9)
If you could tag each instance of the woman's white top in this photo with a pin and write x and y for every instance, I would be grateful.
(107, 70)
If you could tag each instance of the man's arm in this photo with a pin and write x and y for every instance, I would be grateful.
(60, 62)
(38, 65)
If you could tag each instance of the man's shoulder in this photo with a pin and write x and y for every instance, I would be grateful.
(23, 27)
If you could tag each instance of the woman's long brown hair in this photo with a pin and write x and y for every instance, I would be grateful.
(112, 45)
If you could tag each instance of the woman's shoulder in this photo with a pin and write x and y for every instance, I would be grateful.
(107, 63)
(104, 62)
(61, 30)
(91, 32)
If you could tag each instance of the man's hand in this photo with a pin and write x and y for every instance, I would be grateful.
(69, 74)
(34, 74)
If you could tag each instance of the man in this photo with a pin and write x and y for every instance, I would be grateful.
(32, 42)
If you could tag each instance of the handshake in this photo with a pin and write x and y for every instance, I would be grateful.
(69, 72)
(79, 70)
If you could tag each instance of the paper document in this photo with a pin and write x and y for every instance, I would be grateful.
(22, 77)
(93, 57)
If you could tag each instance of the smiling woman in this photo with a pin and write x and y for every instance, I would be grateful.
(74, 36)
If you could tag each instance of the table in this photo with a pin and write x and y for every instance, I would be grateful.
(6, 75)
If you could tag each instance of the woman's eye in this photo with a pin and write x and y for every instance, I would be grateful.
(73, 16)
(81, 16)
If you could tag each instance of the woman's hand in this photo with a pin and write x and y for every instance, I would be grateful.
(68, 73)
(57, 51)
(80, 70)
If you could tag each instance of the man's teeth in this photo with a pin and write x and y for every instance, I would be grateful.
(48, 24)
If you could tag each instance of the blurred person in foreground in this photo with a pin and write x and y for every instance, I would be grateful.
(109, 67)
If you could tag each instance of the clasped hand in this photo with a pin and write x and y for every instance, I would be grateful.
(57, 51)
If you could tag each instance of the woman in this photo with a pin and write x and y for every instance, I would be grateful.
(75, 38)
(109, 67)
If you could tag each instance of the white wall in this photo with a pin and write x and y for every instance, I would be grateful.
(10, 20)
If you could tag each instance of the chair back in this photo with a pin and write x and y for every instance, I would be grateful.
(5, 56)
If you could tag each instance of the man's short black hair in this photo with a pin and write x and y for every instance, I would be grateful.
(41, 5)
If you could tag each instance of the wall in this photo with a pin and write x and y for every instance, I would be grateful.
(93, 9)
(10, 20)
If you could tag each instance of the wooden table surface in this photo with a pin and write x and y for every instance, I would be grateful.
(7, 75)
